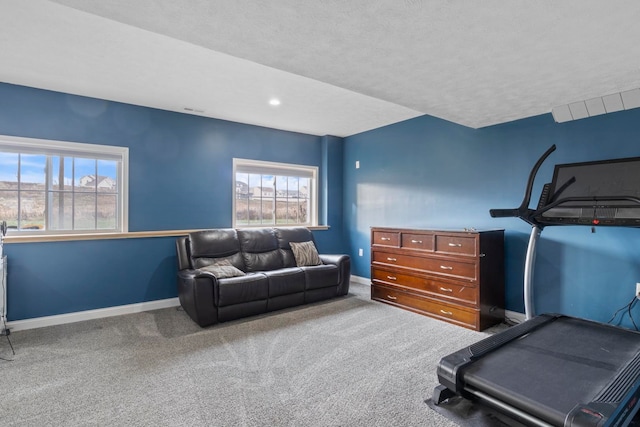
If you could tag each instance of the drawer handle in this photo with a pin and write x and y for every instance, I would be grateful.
(392, 278)
(392, 297)
(445, 267)
(392, 259)
(384, 239)
(416, 241)
(446, 289)
(455, 245)
(448, 313)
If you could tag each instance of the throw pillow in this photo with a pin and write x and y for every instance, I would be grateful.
(223, 269)
(305, 253)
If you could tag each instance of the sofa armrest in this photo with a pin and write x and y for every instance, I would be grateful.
(343, 262)
(335, 259)
(197, 292)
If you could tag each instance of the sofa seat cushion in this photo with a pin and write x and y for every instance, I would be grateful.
(236, 290)
(285, 281)
(320, 276)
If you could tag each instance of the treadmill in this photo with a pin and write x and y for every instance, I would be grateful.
(552, 369)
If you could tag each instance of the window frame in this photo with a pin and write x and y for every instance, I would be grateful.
(49, 148)
(277, 169)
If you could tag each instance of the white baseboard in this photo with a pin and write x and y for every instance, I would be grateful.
(361, 280)
(60, 319)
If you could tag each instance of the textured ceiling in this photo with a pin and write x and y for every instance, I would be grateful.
(339, 67)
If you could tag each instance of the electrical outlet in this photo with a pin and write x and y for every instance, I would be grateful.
(638, 290)
(361, 252)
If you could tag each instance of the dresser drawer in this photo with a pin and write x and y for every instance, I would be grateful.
(417, 241)
(456, 245)
(455, 314)
(385, 238)
(443, 267)
(454, 292)
(395, 278)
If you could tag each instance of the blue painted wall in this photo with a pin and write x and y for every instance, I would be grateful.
(424, 172)
(180, 178)
(431, 173)
(331, 196)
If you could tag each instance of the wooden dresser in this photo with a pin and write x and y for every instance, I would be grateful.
(456, 276)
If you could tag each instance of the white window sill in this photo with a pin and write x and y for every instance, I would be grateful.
(109, 236)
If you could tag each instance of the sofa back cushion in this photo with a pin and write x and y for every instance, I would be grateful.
(286, 236)
(259, 248)
(209, 246)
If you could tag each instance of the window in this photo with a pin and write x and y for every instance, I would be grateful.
(268, 193)
(55, 187)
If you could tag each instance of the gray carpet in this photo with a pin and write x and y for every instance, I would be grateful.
(345, 362)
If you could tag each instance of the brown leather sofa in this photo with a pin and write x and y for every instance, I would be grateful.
(226, 274)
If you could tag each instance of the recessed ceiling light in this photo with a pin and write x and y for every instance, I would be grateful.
(274, 101)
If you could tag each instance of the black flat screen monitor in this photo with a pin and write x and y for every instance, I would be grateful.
(605, 192)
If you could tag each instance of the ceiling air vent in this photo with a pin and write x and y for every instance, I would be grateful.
(193, 110)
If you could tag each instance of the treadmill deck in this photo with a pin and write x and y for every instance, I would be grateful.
(550, 370)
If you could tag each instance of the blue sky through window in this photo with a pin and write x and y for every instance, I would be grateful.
(9, 167)
(57, 186)
(33, 168)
